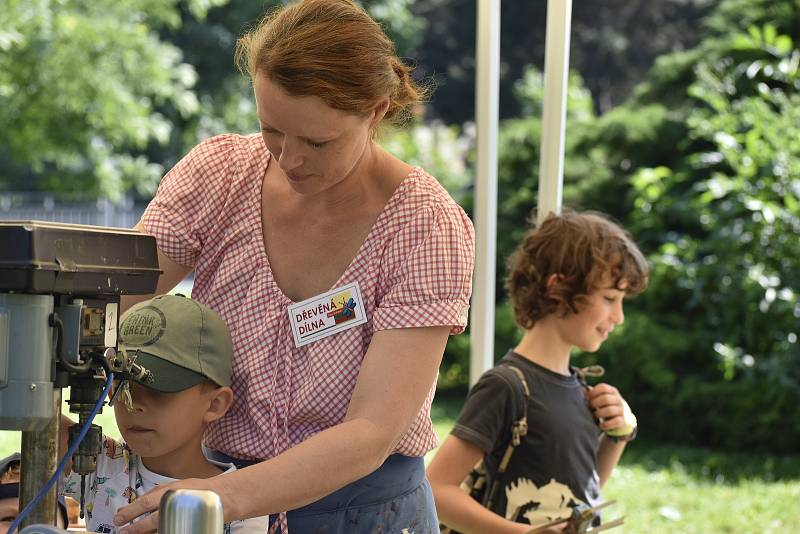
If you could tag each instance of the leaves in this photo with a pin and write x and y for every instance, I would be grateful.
(723, 214)
(702, 164)
(82, 87)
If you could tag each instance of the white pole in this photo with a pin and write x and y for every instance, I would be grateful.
(556, 70)
(486, 118)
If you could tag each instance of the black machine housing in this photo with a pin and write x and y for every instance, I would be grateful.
(69, 259)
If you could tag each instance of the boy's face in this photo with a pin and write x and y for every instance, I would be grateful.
(591, 326)
(9, 509)
(162, 423)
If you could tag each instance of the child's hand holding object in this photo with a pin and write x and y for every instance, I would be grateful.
(614, 415)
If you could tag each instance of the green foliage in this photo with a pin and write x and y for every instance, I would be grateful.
(702, 164)
(441, 150)
(742, 14)
(613, 45)
(529, 91)
(102, 97)
(711, 193)
(81, 86)
(399, 22)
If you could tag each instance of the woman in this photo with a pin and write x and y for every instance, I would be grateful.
(340, 270)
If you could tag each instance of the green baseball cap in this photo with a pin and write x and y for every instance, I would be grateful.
(181, 341)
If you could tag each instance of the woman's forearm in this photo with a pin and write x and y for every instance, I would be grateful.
(306, 472)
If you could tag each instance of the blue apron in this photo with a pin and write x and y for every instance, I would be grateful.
(395, 498)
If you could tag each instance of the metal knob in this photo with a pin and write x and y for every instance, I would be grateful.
(195, 511)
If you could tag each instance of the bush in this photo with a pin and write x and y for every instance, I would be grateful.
(703, 166)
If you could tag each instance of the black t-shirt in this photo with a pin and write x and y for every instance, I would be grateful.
(554, 467)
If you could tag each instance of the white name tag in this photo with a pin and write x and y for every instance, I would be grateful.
(327, 314)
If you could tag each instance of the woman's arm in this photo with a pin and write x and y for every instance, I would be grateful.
(398, 371)
(453, 461)
(171, 275)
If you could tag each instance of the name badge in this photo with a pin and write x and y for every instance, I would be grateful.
(327, 314)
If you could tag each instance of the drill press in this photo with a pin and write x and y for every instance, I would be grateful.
(60, 288)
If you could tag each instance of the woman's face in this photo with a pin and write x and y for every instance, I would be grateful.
(316, 146)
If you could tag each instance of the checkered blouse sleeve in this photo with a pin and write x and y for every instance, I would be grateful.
(426, 272)
(183, 214)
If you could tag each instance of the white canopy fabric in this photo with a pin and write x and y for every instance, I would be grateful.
(551, 165)
(487, 84)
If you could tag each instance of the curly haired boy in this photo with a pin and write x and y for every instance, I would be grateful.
(567, 282)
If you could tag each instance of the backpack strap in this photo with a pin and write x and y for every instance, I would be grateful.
(519, 428)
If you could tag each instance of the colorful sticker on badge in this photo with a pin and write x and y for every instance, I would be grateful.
(327, 314)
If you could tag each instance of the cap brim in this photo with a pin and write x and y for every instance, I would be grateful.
(167, 377)
(16, 457)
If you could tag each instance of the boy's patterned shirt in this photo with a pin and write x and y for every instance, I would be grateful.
(120, 478)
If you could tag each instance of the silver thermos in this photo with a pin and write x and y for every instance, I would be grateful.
(196, 511)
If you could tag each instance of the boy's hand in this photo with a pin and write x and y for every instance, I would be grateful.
(608, 406)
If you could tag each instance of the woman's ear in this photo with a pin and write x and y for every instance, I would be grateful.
(219, 403)
(379, 112)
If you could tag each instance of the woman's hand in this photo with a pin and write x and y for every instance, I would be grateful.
(148, 504)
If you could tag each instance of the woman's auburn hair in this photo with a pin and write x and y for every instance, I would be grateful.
(334, 50)
(584, 251)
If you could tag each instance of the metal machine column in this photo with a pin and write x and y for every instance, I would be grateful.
(39, 459)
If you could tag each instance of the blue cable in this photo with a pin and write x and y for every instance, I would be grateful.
(67, 456)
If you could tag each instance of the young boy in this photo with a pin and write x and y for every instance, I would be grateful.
(188, 349)
(567, 282)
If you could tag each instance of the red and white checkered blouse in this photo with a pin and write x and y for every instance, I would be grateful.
(414, 269)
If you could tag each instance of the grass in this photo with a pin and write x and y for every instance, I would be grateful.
(669, 489)
(663, 489)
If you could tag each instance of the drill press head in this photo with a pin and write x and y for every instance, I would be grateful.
(60, 288)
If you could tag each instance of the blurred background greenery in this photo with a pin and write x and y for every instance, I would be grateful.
(683, 123)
